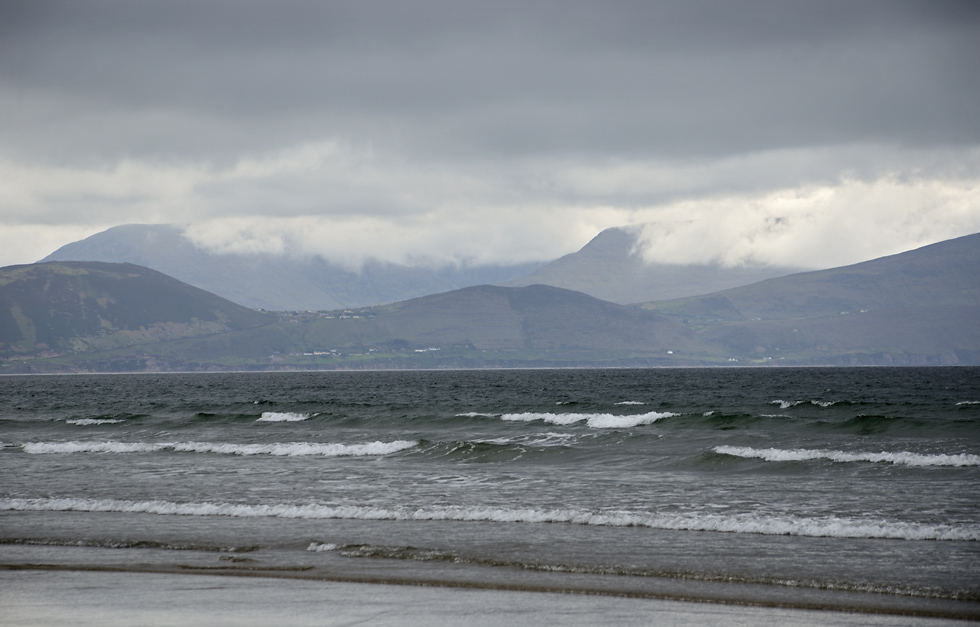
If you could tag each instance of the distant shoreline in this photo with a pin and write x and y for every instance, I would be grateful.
(488, 369)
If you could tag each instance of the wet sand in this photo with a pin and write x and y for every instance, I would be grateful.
(69, 597)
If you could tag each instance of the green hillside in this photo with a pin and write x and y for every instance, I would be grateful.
(534, 318)
(75, 307)
(921, 306)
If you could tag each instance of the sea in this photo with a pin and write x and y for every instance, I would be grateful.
(848, 489)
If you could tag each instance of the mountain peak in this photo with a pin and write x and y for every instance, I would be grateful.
(609, 267)
(614, 242)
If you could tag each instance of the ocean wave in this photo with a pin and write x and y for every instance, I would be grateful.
(282, 416)
(596, 421)
(285, 449)
(904, 458)
(734, 523)
(968, 403)
(476, 414)
(93, 421)
(630, 403)
(543, 440)
(788, 404)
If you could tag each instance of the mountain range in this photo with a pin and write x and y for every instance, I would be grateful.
(921, 307)
(610, 267)
(274, 282)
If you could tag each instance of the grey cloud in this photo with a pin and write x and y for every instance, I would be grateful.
(481, 80)
(400, 128)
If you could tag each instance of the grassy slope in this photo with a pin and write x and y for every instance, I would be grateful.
(77, 306)
(919, 306)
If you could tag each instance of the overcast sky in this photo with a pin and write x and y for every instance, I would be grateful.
(812, 134)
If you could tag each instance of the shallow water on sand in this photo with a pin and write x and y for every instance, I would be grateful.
(45, 599)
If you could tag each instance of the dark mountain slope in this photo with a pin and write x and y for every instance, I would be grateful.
(943, 274)
(538, 321)
(611, 268)
(921, 306)
(76, 306)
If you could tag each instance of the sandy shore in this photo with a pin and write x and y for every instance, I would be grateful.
(42, 598)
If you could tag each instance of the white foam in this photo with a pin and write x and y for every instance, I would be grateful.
(285, 416)
(732, 523)
(596, 421)
(320, 547)
(901, 458)
(93, 421)
(476, 414)
(630, 403)
(287, 449)
(969, 403)
(41, 448)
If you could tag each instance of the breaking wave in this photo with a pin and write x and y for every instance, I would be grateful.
(93, 421)
(286, 449)
(285, 416)
(901, 458)
(736, 523)
(788, 404)
(596, 421)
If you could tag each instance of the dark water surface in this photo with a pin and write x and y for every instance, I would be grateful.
(851, 488)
